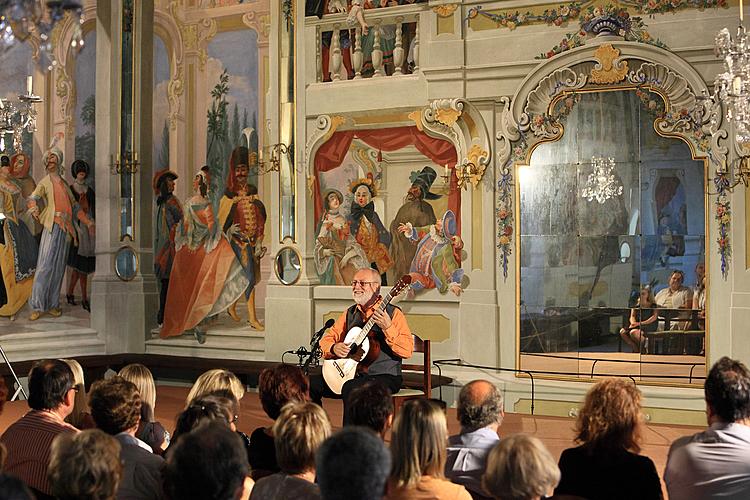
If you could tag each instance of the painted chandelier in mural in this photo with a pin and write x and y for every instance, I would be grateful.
(21, 19)
(601, 184)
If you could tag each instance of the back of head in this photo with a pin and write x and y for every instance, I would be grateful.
(143, 380)
(727, 390)
(209, 463)
(49, 382)
(371, 405)
(280, 385)
(85, 466)
(353, 463)
(298, 433)
(216, 380)
(480, 404)
(12, 488)
(610, 418)
(202, 410)
(418, 442)
(115, 405)
(519, 468)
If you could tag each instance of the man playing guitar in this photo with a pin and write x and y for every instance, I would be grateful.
(391, 330)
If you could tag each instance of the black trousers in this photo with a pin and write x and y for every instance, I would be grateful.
(319, 389)
(162, 300)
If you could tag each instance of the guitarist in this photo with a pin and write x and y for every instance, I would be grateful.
(390, 330)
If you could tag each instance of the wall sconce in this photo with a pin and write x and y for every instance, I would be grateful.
(15, 118)
(467, 172)
(733, 174)
(274, 162)
(126, 163)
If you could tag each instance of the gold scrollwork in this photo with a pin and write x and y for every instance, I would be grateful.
(445, 10)
(475, 155)
(416, 117)
(447, 116)
(609, 68)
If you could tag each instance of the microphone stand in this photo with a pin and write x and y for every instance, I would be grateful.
(315, 352)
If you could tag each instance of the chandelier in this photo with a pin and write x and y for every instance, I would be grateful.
(15, 117)
(21, 19)
(601, 184)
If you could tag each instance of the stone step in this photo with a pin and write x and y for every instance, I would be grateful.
(54, 344)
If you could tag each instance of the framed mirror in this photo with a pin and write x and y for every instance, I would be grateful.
(287, 265)
(126, 263)
(612, 244)
(287, 123)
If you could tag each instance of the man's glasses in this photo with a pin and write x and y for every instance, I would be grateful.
(356, 283)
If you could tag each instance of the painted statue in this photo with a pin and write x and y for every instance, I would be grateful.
(168, 217)
(18, 248)
(19, 169)
(206, 278)
(60, 209)
(367, 228)
(82, 256)
(243, 217)
(437, 262)
(416, 211)
(337, 255)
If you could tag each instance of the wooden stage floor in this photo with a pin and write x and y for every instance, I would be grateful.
(556, 432)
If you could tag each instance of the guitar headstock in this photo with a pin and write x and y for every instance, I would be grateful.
(401, 285)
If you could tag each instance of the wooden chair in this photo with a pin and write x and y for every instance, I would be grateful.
(407, 391)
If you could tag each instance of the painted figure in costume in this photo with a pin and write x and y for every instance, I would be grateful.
(418, 212)
(19, 169)
(437, 262)
(206, 277)
(81, 257)
(243, 217)
(60, 209)
(168, 218)
(18, 248)
(337, 255)
(367, 228)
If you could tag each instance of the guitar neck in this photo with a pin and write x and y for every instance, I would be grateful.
(371, 322)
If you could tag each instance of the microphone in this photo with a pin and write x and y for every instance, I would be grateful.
(315, 345)
(319, 334)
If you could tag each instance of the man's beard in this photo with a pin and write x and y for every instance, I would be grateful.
(363, 298)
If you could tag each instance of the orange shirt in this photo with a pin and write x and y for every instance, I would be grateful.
(398, 335)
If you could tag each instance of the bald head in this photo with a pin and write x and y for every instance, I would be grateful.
(480, 404)
(368, 274)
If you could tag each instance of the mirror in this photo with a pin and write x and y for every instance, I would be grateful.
(127, 155)
(287, 265)
(126, 263)
(287, 124)
(612, 233)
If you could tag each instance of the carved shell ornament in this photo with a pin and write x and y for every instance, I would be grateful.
(609, 67)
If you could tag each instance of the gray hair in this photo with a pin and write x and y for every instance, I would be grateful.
(475, 413)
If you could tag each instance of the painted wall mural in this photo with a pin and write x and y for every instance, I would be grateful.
(160, 122)
(397, 216)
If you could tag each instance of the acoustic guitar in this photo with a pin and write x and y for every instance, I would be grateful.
(337, 372)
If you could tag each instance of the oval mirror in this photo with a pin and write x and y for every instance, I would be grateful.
(126, 263)
(287, 265)
(624, 252)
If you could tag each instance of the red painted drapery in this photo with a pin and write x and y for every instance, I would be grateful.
(332, 153)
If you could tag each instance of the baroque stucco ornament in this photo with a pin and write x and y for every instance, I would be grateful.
(445, 10)
(609, 67)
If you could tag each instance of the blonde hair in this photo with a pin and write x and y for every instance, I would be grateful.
(80, 407)
(519, 468)
(216, 380)
(85, 465)
(298, 433)
(418, 443)
(143, 380)
(651, 299)
(611, 416)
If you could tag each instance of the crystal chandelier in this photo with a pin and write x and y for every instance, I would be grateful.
(601, 184)
(17, 117)
(21, 19)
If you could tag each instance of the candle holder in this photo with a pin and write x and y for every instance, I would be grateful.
(125, 163)
(274, 163)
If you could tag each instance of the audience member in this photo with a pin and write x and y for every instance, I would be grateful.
(277, 386)
(644, 318)
(85, 466)
(12, 488)
(607, 465)
(299, 431)
(208, 463)
(80, 418)
(28, 440)
(353, 463)
(520, 468)
(216, 380)
(371, 405)
(3, 398)
(209, 408)
(149, 431)
(675, 296)
(418, 440)
(116, 409)
(715, 463)
(480, 412)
